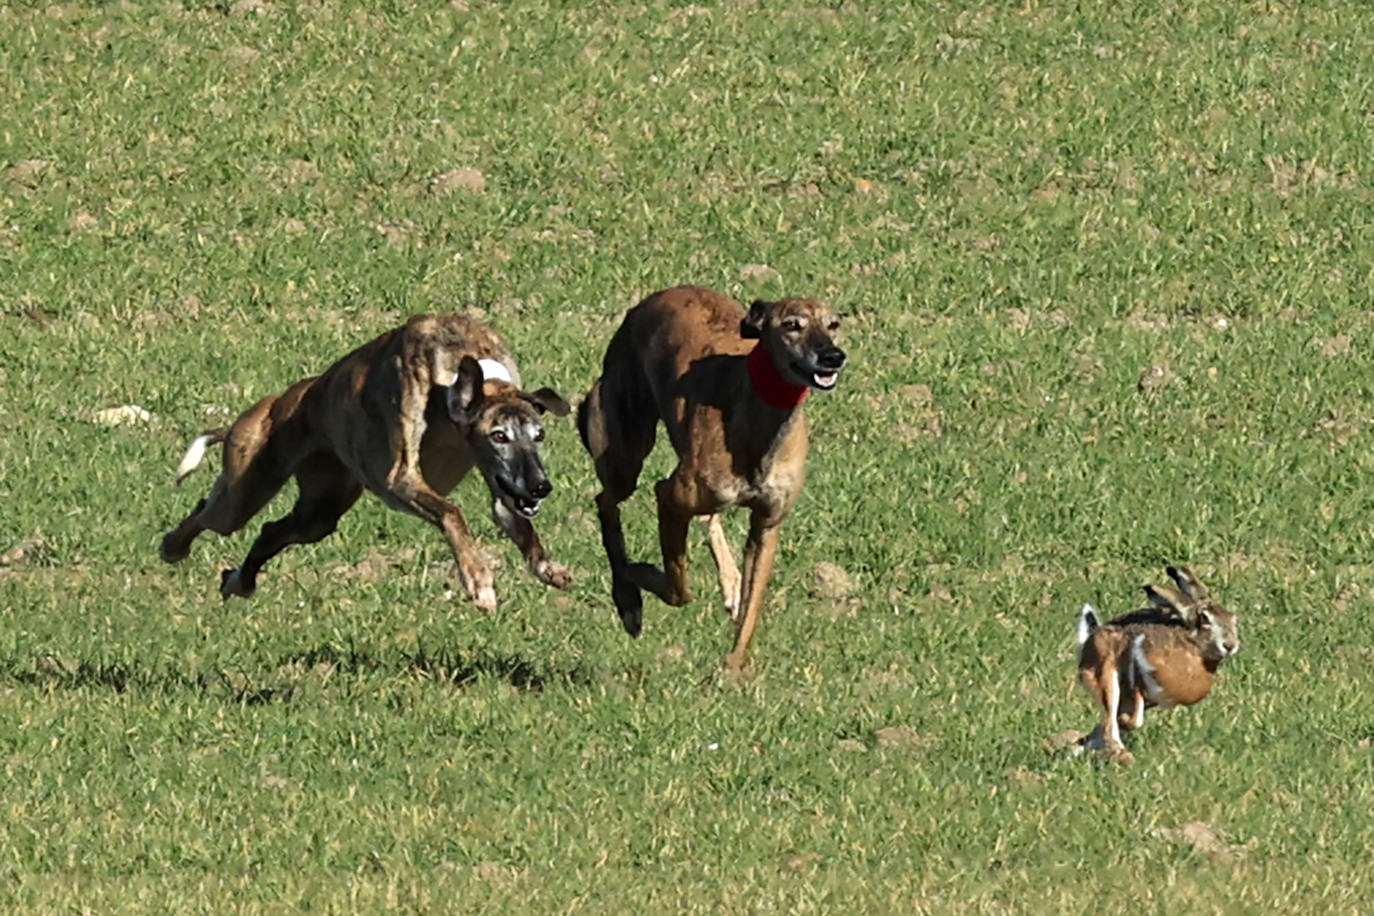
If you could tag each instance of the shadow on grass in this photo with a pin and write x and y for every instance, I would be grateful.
(282, 681)
(447, 667)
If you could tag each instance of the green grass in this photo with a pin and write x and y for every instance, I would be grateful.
(1020, 208)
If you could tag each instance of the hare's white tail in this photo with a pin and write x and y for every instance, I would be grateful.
(195, 453)
(1087, 622)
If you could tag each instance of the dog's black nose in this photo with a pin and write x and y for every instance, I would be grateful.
(830, 358)
(541, 489)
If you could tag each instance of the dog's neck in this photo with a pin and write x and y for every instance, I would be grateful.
(768, 383)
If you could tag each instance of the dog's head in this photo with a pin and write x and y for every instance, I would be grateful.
(504, 428)
(798, 336)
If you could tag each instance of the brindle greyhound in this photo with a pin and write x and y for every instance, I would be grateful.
(732, 409)
(405, 416)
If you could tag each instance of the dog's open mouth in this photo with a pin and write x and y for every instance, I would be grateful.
(526, 505)
(824, 380)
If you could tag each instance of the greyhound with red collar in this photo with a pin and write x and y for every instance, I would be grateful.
(728, 386)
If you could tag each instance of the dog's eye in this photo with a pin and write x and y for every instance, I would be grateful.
(792, 325)
(539, 435)
(834, 325)
(500, 437)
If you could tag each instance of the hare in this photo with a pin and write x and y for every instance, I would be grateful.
(1163, 655)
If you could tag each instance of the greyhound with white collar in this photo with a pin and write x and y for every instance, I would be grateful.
(405, 416)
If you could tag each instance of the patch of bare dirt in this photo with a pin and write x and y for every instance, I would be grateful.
(1339, 345)
(1155, 377)
(377, 565)
(759, 272)
(32, 550)
(81, 221)
(464, 178)
(904, 738)
(831, 581)
(1024, 778)
(1061, 740)
(29, 172)
(1203, 838)
(404, 233)
(241, 54)
(123, 415)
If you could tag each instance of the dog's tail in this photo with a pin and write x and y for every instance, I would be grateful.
(1087, 623)
(195, 453)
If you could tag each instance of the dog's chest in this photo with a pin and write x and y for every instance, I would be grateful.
(445, 456)
(771, 486)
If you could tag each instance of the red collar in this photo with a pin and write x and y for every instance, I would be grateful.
(769, 384)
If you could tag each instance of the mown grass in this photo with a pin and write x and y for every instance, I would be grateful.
(1104, 268)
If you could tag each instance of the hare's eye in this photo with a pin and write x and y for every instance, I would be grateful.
(500, 437)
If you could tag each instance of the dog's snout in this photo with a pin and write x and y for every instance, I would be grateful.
(541, 489)
(830, 358)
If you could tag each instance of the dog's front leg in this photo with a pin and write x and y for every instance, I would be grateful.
(759, 552)
(415, 496)
(518, 529)
(726, 571)
(473, 571)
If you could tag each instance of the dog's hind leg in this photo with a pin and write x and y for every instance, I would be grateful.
(254, 471)
(726, 571)
(619, 436)
(231, 504)
(674, 516)
(545, 568)
(327, 491)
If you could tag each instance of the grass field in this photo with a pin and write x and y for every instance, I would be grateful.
(1105, 269)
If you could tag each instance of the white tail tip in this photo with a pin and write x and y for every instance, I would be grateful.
(1087, 622)
(195, 454)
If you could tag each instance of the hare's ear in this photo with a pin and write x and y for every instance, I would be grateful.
(751, 325)
(1170, 602)
(1187, 583)
(465, 393)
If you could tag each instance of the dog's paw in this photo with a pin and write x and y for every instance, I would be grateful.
(1120, 755)
(484, 596)
(170, 551)
(553, 573)
(231, 583)
(629, 604)
(736, 669)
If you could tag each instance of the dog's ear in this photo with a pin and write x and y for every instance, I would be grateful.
(751, 325)
(548, 399)
(465, 392)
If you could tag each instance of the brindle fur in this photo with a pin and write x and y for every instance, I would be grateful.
(679, 358)
(406, 416)
(1183, 636)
